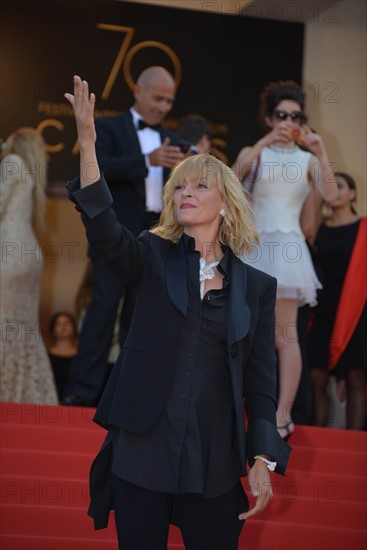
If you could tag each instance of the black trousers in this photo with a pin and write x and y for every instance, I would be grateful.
(90, 366)
(143, 518)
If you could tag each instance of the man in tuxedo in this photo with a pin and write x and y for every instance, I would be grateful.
(136, 155)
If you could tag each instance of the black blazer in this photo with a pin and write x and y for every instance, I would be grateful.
(123, 164)
(139, 386)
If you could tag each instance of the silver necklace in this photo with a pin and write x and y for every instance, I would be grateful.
(206, 272)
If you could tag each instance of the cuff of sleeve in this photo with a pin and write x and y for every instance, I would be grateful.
(93, 199)
(263, 439)
(147, 161)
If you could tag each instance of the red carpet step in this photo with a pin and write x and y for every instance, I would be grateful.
(45, 457)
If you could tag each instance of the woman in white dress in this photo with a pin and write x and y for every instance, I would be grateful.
(280, 176)
(25, 370)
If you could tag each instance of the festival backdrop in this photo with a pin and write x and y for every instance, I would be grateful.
(220, 63)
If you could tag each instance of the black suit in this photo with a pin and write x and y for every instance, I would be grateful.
(123, 164)
(139, 386)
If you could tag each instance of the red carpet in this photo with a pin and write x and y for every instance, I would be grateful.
(45, 457)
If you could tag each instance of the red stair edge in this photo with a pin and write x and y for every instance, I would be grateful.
(83, 416)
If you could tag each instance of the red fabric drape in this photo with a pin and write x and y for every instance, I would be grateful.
(353, 297)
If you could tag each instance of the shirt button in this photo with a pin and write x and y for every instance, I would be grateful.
(187, 373)
(190, 354)
(183, 395)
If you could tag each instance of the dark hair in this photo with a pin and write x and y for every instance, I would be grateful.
(351, 184)
(349, 180)
(53, 322)
(193, 127)
(275, 92)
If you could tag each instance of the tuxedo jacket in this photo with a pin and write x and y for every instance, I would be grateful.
(123, 164)
(139, 386)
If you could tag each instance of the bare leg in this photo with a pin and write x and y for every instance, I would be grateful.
(320, 380)
(289, 358)
(356, 401)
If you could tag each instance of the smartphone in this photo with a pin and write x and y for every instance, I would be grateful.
(185, 146)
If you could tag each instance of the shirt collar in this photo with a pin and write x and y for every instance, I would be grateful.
(136, 117)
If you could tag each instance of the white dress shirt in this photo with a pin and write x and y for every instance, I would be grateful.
(149, 140)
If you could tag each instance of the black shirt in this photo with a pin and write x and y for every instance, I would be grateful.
(193, 448)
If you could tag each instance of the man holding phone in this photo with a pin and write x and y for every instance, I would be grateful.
(136, 155)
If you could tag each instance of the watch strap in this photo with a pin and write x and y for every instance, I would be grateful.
(271, 465)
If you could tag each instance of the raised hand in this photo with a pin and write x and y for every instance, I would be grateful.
(323, 170)
(314, 143)
(83, 106)
(280, 134)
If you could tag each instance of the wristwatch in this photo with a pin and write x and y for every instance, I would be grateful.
(271, 465)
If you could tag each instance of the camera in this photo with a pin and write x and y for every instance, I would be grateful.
(296, 134)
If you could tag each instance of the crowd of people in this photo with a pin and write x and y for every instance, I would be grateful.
(238, 288)
(287, 175)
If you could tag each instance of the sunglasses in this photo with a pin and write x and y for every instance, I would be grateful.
(294, 115)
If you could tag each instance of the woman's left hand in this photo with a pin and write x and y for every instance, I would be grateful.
(313, 142)
(260, 485)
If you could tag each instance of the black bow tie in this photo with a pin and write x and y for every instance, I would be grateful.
(143, 124)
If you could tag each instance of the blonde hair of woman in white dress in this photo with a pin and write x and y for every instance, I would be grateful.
(25, 371)
(280, 175)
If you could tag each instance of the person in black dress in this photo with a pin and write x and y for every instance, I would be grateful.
(63, 347)
(334, 246)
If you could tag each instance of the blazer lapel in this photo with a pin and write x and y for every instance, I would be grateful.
(130, 133)
(133, 140)
(238, 312)
(176, 276)
(166, 171)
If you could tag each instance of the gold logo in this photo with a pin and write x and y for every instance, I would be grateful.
(125, 57)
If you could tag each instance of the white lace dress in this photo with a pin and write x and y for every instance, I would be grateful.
(25, 370)
(279, 192)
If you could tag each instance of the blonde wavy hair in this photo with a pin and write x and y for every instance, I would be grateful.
(28, 144)
(236, 230)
